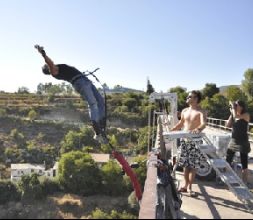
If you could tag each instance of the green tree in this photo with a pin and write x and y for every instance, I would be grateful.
(69, 90)
(142, 147)
(210, 90)
(23, 90)
(182, 95)
(76, 140)
(40, 89)
(141, 172)
(115, 100)
(78, 173)
(250, 110)
(217, 107)
(131, 103)
(30, 188)
(49, 186)
(8, 192)
(32, 115)
(113, 179)
(150, 88)
(234, 93)
(106, 149)
(34, 154)
(15, 135)
(51, 98)
(13, 154)
(18, 137)
(247, 83)
(113, 140)
(3, 112)
(117, 87)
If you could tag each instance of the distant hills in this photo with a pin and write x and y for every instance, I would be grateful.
(120, 89)
(224, 88)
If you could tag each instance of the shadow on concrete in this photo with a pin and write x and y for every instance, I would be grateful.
(187, 216)
(209, 202)
(213, 201)
(223, 202)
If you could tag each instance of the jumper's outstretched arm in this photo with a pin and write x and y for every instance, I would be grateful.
(52, 67)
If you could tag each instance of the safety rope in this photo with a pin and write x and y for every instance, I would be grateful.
(118, 156)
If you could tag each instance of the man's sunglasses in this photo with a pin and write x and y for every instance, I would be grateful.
(191, 97)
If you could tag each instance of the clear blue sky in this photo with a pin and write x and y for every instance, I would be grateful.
(187, 43)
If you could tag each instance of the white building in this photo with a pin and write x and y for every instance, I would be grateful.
(53, 172)
(19, 170)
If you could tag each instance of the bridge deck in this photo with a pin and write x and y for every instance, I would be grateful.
(213, 202)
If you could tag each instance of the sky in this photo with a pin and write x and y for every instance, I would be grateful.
(184, 43)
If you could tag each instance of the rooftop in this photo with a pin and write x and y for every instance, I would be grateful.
(23, 166)
(101, 158)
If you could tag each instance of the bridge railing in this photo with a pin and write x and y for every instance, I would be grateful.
(221, 124)
(149, 203)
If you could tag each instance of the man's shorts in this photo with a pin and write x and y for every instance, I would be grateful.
(190, 155)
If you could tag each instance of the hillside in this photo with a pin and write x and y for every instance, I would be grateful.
(62, 206)
(42, 129)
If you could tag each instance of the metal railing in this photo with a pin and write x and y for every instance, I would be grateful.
(221, 125)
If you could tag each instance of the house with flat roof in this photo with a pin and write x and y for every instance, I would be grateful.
(22, 169)
(19, 170)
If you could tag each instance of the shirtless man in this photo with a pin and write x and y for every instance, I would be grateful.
(193, 119)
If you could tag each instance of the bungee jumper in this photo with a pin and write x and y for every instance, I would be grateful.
(97, 105)
(84, 87)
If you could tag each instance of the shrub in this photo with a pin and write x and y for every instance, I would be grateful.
(50, 187)
(78, 173)
(75, 140)
(3, 112)
(99, 214)
(133, 203)
(113, 179)
(31, 188)
(18, 137)
(32, 115)
(142, 147)
(8, 192)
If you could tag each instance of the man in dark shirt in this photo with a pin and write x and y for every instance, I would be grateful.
(84, 87)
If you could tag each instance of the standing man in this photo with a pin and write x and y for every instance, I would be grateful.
(193, 119)
(84, 87)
